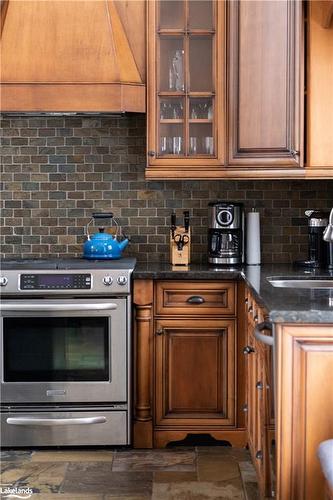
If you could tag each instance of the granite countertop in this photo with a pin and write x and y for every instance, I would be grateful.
(283, 304)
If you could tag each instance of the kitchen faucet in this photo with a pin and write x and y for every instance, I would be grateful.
(328, 236)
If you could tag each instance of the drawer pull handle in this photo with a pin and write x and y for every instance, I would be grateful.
(195, 299)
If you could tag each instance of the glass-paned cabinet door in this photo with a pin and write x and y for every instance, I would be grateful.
(186, 47)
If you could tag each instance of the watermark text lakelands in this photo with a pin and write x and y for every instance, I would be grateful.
(7, 491)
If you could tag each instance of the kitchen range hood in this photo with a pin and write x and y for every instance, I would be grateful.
(73, 56)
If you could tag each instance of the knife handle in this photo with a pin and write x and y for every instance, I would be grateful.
(173, 223)
(186, 220)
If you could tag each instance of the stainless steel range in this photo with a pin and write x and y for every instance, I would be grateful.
(64, 351)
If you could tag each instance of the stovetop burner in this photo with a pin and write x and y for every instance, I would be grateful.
(59, 263)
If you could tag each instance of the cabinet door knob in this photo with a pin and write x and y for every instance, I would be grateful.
(250, 309)
(248, 349)
(259, 385)
(294, 153)
(259, 455)
(151, 153)
(160, 331)
(195, 299)
(245, 408)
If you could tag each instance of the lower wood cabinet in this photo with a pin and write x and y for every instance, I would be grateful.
(259, 396)
(194, 372)
(189, 364)
(305, 402)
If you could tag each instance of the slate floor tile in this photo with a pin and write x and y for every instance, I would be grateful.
(40, 477)
(168, 460)
(72, 456)
(198, 491)
(174, 476)
(99, 478)
(217, 468)
(15, 456)
(64, 496)
(239, 454)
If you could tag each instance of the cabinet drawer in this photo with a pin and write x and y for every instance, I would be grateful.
(195, 298)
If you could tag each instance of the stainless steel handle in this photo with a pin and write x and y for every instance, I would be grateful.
(266, 339)
(55, 421)
(78, 306)
(195, 299)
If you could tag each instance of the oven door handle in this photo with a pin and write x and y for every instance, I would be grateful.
(78, 306)
(55, 421)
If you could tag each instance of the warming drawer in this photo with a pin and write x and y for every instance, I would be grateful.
(64, 428)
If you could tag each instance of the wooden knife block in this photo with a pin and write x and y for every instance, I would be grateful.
(180, 257)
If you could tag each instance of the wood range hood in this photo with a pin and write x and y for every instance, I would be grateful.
(78, 56)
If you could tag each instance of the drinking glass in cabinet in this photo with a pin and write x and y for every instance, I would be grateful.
(201, 139)
(201, 109)
(171, 109)
(193, 145)
(172, 69)
(208, 145)
(166, 145)
(171, 145)
(177, 145)
(171, 139)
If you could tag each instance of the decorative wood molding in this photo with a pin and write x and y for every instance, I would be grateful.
(99, 97)
(233, 172)
(143, 345)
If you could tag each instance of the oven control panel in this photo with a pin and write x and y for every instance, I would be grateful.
(55, 281)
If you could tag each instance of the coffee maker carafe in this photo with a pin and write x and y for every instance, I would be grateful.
(225, 233)
(317, 247)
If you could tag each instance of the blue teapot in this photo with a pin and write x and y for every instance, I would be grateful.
(103, 245)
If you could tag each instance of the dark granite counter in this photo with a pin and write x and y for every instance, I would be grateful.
(283, 304)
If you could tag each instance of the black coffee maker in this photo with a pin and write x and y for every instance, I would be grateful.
(318, 251)
(225, 233)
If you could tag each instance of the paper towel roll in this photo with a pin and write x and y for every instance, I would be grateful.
(253, 238)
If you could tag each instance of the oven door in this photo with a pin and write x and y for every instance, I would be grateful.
(61, 351)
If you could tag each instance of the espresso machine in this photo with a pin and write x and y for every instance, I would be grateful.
(225, 233)
(318, 249)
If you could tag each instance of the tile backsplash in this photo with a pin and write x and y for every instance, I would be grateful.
(57, 170)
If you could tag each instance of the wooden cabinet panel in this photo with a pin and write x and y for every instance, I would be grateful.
(319, 87)
(305, 402)
(195, 298)
(265, 83)
(195, 372)
(260, 421)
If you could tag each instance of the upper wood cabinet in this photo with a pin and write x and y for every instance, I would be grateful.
(265, 98)
(186, 53)
(226, 91)
(319, 86)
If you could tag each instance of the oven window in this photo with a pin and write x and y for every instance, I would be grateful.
(56, 349)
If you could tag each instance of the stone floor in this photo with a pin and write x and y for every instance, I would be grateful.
(191, 473)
